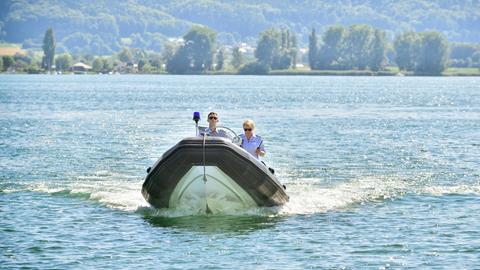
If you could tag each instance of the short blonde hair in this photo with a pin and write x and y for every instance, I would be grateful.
(249, 123)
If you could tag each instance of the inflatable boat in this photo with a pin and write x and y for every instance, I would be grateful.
(206, 174)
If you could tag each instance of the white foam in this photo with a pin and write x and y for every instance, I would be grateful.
(307, 195)
(309, 198)
(111, 189)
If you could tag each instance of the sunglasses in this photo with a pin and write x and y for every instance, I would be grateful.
(247, 129)
(212, 117)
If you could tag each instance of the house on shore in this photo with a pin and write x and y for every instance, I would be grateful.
(80, 68)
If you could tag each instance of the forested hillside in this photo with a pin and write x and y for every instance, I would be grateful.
(106, 26)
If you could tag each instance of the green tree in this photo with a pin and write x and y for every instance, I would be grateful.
(49, 48)
(406, 47)
(7, 62)
(138, 54)
(275, 49)
(1, 64)
(196, 54)
(378, 52)
(168, 51)
(22, 61)
(331, 51)
(254, 68)
(284, 39)
(200, 45)
(267, 47)
(237, 58)
(433, 54)
(220, 59)
(312, 49)
(107, 64)
(97, 65)
(125, 56)
(282, 60)
(293, 50)
(63, 62)
(141, 64)
(33, 68)
(24, 58)
(146, 68)
(357, 47)
(155, 60)
(179, 62)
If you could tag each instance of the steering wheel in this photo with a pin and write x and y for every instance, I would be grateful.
(235, 138)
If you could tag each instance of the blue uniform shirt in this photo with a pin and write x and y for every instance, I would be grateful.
(217, 133)
(252, 144)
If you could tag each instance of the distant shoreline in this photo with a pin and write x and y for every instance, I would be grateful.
(361, 73)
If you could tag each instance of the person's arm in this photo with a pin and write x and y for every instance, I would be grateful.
(260, 152)
(260, 149)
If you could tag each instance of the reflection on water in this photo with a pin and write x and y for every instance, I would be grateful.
(214, 223)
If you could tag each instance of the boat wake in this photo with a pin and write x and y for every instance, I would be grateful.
(307, 195)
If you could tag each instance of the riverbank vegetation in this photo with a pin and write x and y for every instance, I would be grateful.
(106, 27)
(357, 50)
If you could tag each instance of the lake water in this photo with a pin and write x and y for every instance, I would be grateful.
(382, 172)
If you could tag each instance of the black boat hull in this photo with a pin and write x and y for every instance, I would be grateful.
(211, 174)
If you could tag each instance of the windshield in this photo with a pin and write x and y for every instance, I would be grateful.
(222, 131)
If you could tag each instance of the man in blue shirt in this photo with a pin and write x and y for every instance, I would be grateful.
(212, 127)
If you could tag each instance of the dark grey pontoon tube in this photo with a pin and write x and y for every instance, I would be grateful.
(249, 173)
